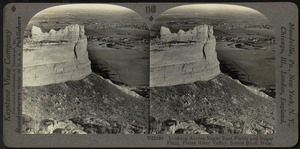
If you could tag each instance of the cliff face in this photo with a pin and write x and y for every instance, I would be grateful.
(55, 56)
(183, 57)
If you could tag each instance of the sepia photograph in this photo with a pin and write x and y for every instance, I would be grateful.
(212, 71)
(86, 71)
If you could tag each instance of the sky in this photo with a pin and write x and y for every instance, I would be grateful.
(102, 8)
(211, 8)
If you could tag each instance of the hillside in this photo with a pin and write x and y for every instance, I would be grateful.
(90, 105)
(220, 105)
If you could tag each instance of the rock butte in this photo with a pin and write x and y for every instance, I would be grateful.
(55, 56)
(183, 57)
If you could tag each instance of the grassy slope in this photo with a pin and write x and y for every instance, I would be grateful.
(89, 97)
(219, 98)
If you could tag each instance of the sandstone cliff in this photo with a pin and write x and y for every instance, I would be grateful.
(55, 56)
(183, 57)
(200, 33)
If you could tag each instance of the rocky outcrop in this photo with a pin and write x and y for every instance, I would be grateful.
(79, 125)
(209, 126)
(183, 57)
(55, 56)
(70, 33)
(200, 33)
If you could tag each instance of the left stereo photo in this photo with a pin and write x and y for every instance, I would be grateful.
(86, 71)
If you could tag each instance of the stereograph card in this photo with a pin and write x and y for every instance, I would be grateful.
(150, 74)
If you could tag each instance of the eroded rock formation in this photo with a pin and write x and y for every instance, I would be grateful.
(183, 57)
(55, 56)
(200, 33)
(79, 125)
(209, 126)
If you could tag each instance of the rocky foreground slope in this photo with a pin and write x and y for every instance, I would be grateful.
(217, 106)
(95, 106)
(89, 105)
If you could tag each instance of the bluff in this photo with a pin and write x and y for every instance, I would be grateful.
(183, 57)
(55, 56)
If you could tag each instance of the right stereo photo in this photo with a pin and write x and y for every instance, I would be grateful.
(212, 71)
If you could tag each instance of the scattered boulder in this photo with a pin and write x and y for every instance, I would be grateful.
(173, 126)
(208, 126)
(51, 126)
(80, 126)
(239, 45)
(109, 45)
(28, 124)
